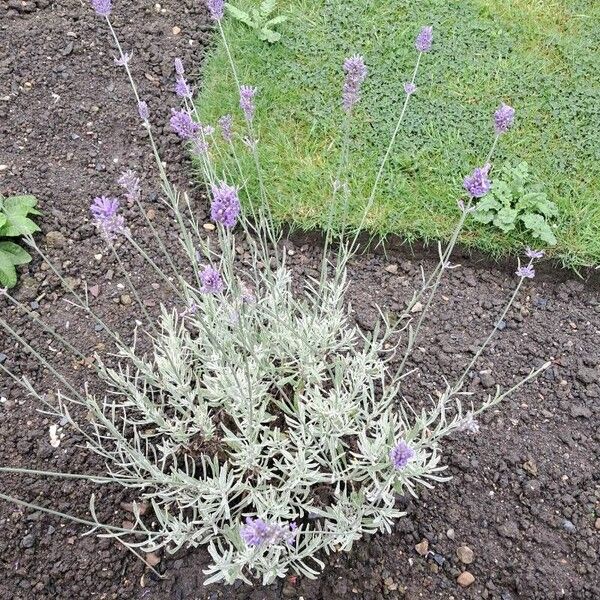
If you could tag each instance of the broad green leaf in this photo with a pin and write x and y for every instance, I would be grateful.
(20, 203)
(240, 15)
(269, 35)
(14, 252)
(502, 192)
(16, 209)
(267, 7)
(505, 219)
(2, 219)
(276, 21)
(8, 274)
(538, 227)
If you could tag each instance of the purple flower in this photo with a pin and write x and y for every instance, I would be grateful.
(257, 532)
(478, 184)
(130, 182)
(504, 118)
(526, 272)
(247, 94)
(410, 88)
(143, 111)
(225, 207)
(534, 253)
(211, 281)
(183, 125)
(123, 60)
(102, 7)
(401, 454)
(182, 89)
(424, 39)
(356, 72)
(216, 8)
(106, 218)
(179, 67)
(226, 126)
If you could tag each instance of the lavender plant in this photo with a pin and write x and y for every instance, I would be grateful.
(264, 424)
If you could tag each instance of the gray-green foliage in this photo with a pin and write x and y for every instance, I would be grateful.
(260, 19)
(15, 222)
(516, 202)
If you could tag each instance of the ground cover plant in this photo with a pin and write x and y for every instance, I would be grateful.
(539, 57)
(15, 221)
(263, 422)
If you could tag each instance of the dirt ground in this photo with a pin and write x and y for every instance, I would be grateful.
(525, 493)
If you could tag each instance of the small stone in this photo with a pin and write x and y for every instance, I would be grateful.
(422, 547)
(55, 239)
(3, 167)
(28, 541)
(465, 579)
(569, 526)
(95, 290)
(152, 558)
(392, 269)
(151, 214)
(417, 308)
(597, 523)
(580, 411)
(176, 30)
(487, 381)
(465, 555)
(125, 299)
(501, 325)
(451, 534)
(509, 530)
(209, 226)
(587, 375)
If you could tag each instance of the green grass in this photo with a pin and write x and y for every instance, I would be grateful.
(540, 56)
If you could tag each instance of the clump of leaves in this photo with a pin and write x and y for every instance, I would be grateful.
(515, 201)
(260, 19)
(15, 222)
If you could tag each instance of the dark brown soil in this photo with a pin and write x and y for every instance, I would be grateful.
(525, 493)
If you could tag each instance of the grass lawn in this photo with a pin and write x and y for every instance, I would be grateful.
(540, 56)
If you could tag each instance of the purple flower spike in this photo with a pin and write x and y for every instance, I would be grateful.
(225, 207)
(410, 88)
(183, 125)
(478, 184)
(504, 118)
(130, 182)
(226, 126)
(257, 532)
(533, 254)
(401, 454)
(216, 8)
(102, 7)
(179, 66)
(247, 94)
(143, 111)
(182, 89)
(424, 39)
(527, 272)
(211, 281)
(356, 73)
(106, 218)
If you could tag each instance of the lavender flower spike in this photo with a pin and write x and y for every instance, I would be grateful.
(247, 94)
(534, 253)
(102, 7)
(424, 39)
(226, 126)
(130, 182)
(182, 89)
(504, 118)
(106, 218)
(216, 8)
(225, 207)
(410, 88)
(478, 184)
(143, 111)
(526, 272)
(179, 66)
(401, 454)
(356, 73)
(211, 281)
(183, 125)
(257, 532)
